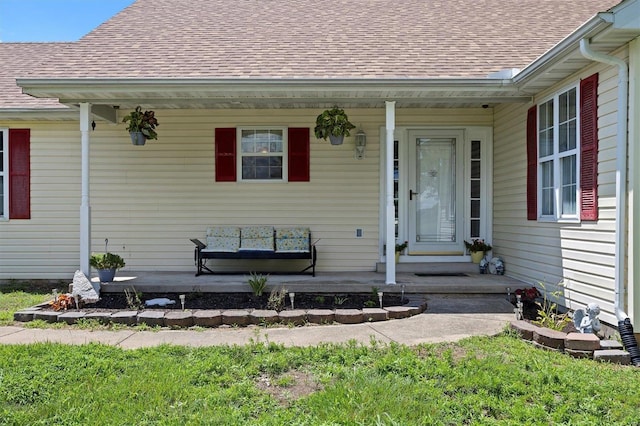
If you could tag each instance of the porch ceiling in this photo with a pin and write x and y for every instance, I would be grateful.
(276, 93)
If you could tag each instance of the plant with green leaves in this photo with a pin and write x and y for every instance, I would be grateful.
(258, 283)
(134, 298)
(333, 122)
(143, 122)
(548, 313)
(277, 299)
(106, 261)
(340, 300)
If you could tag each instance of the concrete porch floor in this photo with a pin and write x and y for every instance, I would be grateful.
(329, 282)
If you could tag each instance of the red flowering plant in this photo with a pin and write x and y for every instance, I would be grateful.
(528, 294)
(477, 245)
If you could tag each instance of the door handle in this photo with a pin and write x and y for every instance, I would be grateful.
(411, 194)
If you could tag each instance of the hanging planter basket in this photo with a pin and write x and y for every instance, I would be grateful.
(336, 140)
(106, 275)
(138, 138)
(334, 125)
(141, 125)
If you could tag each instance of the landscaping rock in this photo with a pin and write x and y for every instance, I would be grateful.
(48, 316)
(610, 344)
(417, 302)
(524, 328)
(151, 318)
(125, 317)
(320, 316)
(348, 316)
(207, 318)
(71, 317)
(264, 316)
(83, 289)
(25, 315)
(582, 342)
(375, 314)
(549, 338)
(396, 312)
(294, 316)
(236, 317)
(616, 356)
(102, 317)
(178, 319)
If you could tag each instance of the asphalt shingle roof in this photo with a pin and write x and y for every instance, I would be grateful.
(306, 39)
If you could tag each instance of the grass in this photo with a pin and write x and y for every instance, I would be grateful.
(20, 295)
(499, 380)
(493, 380)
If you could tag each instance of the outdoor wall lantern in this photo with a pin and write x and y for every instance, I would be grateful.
(361, 143)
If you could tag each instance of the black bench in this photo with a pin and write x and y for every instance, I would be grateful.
(202, 254)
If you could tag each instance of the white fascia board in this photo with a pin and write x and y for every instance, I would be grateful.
(25, 114)
(64, 88)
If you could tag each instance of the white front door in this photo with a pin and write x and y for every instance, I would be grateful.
(436, 192)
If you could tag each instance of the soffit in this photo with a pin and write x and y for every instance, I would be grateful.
(279, 93)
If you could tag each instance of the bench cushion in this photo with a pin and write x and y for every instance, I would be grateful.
(256, 238)
(223, 239)
(292, 240)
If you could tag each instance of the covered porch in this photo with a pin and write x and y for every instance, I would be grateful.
(430, 281)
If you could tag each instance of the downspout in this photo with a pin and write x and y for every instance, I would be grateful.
(621, 169)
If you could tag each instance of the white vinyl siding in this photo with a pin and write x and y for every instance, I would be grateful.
(582, 255)
(148, 201)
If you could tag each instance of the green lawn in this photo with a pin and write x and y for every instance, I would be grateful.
(18, 296)
(499, 380)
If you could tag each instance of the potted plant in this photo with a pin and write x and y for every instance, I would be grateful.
(333, 124)
(400, 247)
(106, 264)
(141, 125)
(477, 249)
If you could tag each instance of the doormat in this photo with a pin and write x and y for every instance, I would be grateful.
(441, 274)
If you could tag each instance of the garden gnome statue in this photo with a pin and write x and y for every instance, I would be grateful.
(586, 320)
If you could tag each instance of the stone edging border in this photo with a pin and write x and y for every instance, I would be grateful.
(577, 345)
(232, 317)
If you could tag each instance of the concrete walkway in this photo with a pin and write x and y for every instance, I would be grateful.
(448, 318)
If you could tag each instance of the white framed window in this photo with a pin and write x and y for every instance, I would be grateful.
(558, 157)
(262, 154)
(4, 174)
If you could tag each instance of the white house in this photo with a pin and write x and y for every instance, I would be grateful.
(506, 121)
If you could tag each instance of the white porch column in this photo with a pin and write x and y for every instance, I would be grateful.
(85, 206)
(390, 216)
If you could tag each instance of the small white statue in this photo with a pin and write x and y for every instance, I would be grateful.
(586, 320)
(161, 301)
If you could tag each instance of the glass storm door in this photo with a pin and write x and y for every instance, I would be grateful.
(435, 193)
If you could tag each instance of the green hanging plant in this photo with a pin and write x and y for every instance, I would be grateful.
(333, 122)
(144, 122)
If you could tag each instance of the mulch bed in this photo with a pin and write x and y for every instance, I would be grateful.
(244, 300)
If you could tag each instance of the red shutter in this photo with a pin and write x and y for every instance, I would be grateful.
(589, 148)
(19, 174)
(225, 155)
(299, 154)
(532, 163)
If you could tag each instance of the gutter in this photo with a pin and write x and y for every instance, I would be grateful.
(621, 169)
